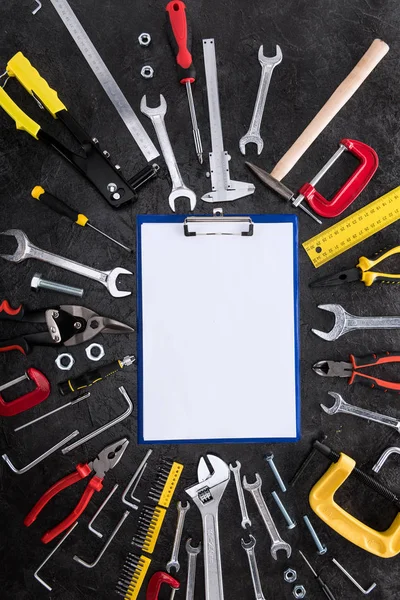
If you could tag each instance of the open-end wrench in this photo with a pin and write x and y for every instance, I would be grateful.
(26, 249)
(173, 563)
(340, 406)
(242, 502)
(268, 64)
(277, 541)
(192, 553)
(255, 576)
(206, 494)
(179, 189)
(345, 322)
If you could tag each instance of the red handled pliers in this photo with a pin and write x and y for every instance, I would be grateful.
(106, 460)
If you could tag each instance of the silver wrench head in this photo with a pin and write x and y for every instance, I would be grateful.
(112, 282)
(23, 244)
(251, 138)
(339, 327)
(158, 111)
(236, 467)
(248, 545)
(270, 60)
(252, 486)
(338, 404)
(192, 549)
(182, 192)
(215, 482)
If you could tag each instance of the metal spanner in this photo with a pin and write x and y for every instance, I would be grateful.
(277, 541)
(173, 563)
(345, 322)
(340, 406)
(26, 249)
(268, 64)
(179, 189)
(255, 576)
(192, 553)
(206, 494)
(242, 502)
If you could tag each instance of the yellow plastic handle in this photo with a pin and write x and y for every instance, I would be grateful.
(22, 121)
(368, 277)
(20, 67)
(385, 544)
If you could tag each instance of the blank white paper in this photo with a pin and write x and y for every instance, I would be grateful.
(218, 334)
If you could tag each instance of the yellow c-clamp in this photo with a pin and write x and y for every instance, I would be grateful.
(385, 544)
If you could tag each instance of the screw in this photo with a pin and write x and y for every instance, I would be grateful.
(270, 460)
(116, 196)
(112, 187)
(290, 523)
(321, 548)
(37, 282)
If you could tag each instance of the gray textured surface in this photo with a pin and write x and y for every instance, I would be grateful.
(321, 42)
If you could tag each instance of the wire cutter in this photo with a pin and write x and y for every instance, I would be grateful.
(67, 325)
(92, 162)
(331, 368)
(106, 460)
(361, 272)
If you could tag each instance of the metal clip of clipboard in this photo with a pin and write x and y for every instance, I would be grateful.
(218, 217)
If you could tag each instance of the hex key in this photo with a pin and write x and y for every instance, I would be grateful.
(137, 475)
(36, 576)
(103, 428)
(98, 511)
(108, 542)
(41, 457)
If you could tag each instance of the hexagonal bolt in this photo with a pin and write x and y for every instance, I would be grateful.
(269, 457)
(38, 283)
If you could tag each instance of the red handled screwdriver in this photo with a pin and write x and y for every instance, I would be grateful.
(180, 37)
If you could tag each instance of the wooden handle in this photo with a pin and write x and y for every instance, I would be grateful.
(340, 96)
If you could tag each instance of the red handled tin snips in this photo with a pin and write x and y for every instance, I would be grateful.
(106, 460)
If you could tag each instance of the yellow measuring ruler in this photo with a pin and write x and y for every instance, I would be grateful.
(353, 229)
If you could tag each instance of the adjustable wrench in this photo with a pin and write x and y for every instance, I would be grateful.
(242, 502)
(173, 563)
(26, 249)
(206, 494)
(268, 64)
(251, 555)
(345, 322)
(192, 553)
(179, 189)
(277, 541)
(340, 406)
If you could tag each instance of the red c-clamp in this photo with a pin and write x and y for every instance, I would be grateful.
(156, 582)
(351, 189)
(40, 393)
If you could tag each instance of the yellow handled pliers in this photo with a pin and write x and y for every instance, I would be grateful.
(362, 272)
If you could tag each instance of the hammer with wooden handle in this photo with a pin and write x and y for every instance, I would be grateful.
(340, 96)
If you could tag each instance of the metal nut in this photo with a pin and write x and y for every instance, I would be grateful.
(89, 352)
(62, 365)
(299, 591)
(290, 575)
(147, 72)
(144, 39)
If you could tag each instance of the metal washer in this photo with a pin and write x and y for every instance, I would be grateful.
(63, 356)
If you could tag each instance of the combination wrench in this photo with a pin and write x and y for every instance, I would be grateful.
(179, 189)
(242, 502)
(192, 553)
(173, 563)
(277, 541)
(345, 322)
(340, 406)
(255, 576)
(25, 249)
(268, 64)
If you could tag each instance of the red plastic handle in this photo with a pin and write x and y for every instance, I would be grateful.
(372, 361)
(40, 393)
(82, 471)
(180, 39)
(351, 189)
(94, 485)
(11, 313)
(156, 582)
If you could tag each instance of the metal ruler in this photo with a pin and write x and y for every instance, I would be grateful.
(354, 229)
(105, 78)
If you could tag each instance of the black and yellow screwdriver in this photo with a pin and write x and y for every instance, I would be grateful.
(60, 207)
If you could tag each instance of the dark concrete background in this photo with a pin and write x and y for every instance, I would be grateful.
(321, 42)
